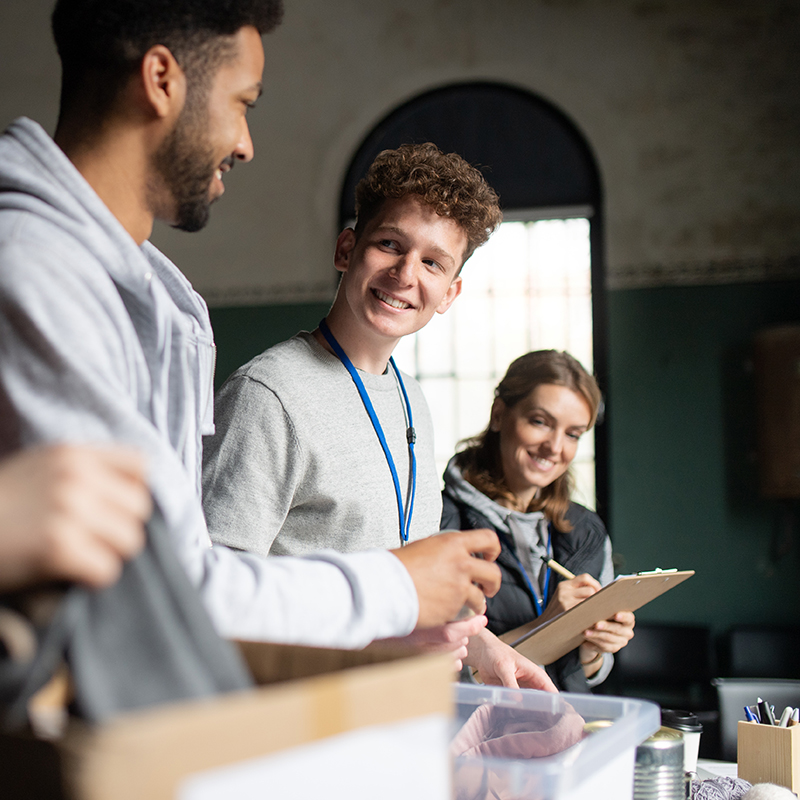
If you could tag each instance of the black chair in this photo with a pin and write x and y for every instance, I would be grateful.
(750, 651)
(669, 664)
(733, 694)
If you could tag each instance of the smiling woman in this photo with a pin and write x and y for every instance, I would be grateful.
(514, 478)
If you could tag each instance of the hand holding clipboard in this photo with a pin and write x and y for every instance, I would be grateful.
(545, 642)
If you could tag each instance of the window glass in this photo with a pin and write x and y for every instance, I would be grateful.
(528, 288)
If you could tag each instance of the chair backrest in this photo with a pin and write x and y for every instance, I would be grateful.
(733, 694)
(749, 651)
(672, 654)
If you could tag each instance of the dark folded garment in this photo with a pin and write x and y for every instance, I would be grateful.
(144, 641)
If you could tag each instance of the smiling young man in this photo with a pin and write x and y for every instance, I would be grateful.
(321, 442)
(296, 463)
(103, 339)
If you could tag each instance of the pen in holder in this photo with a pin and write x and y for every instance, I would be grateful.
(769, 754)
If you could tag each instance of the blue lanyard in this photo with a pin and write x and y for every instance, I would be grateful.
(411, 436)
(539, 604)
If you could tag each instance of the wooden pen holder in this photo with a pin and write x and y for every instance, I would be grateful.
(768, 754)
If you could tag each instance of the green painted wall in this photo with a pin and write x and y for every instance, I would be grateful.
(683, 471)
(241, 333)
(683, 477)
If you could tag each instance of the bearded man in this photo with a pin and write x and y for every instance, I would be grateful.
(102, 338)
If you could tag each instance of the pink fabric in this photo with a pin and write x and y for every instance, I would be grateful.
(495, 732)
(509, 734)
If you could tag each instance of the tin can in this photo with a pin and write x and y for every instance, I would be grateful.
(658, 773)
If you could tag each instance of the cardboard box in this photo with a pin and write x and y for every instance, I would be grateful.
(361, 714)
(599, 766)
(768, 754)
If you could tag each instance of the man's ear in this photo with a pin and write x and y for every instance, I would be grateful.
(345, 244)
(453, 291)
(163, 81)
(496, 417)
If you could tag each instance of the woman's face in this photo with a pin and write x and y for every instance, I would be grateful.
(539, 437)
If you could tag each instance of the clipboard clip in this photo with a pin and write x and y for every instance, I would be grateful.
(656, 571)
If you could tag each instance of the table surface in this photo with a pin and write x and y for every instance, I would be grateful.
(708, 768)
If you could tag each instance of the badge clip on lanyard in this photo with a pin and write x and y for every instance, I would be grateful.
(539, 603)
(411, 436)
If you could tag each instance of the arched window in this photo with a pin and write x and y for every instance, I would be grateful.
(538, 282)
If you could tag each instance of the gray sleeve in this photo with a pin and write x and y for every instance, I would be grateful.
(607, 570)
(606, 576)
(251, 467)
(67, 373)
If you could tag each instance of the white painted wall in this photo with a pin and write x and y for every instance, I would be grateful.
(692, 109)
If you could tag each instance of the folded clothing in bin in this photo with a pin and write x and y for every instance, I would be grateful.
(497, 732)
(521, 744)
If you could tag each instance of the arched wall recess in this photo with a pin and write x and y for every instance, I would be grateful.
(535, 158)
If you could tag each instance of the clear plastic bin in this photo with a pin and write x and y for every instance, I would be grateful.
(518, 744)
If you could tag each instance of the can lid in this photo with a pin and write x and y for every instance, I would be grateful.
(663, 748)
(597, 725)
(680, 720)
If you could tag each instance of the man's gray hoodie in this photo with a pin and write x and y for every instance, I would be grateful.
(102, 340)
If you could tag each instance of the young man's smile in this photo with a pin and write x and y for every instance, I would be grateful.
(389, 300)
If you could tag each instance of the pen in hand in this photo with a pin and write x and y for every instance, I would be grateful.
(556, 567)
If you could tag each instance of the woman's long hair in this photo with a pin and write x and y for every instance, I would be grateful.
(480, 462)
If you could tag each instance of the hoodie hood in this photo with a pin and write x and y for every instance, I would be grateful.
(52, 197)
(38, 177)
(499, 516)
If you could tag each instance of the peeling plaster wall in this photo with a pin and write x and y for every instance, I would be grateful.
(692, 109)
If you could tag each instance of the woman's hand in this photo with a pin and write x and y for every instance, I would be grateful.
(569, 593)
(606, 636)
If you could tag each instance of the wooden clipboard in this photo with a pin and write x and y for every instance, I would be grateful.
(544, 643)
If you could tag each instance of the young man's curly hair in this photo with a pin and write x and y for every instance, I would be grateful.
(447, 183)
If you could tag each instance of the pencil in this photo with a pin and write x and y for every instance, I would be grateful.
(556, 567)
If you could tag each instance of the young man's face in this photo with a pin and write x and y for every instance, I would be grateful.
(211, 134)
(402, 269)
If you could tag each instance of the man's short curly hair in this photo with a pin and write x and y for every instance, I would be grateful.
(447, 183)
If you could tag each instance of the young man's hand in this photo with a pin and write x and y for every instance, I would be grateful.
(501, 665)
(447, 576)
(70, 513)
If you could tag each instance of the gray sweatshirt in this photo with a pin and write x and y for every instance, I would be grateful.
(296, 465)
(102, 340)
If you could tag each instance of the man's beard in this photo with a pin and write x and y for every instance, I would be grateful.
(185, 163)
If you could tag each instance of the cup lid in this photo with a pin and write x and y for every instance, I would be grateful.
(680, 720)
